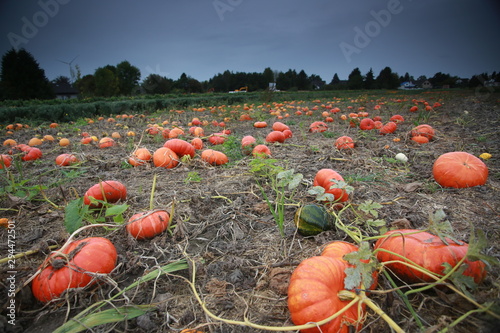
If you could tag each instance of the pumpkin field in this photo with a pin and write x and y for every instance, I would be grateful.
(338, 213)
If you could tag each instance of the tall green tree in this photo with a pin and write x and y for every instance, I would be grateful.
(268, 75)
(387, 79)
(106, 82)
(156, 84)
(303, 82)
(86, 85)
(22, 77)
(369, 82)
(128, 77)
(335, 79)
(355, 79)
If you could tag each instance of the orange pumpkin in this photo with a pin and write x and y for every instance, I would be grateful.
(217, 138)
(180, 147)
(247, 144)
(197, 143)
(261, 151)
(344, 142)
(106, 142)
(420, 139)
(459, 170)
(279, 126)
(166, 158)
(214, 157)
(275, 136)
(64, 142)
(35, 142)
(66, 159)
(5, 161)
(108, 190)
(148, 224)
(423, 130)
(367, 124)
(318, 127)
(74, 267)
(338, 249)
(313, 295)
(388, 128)
(326, 179)
(397, 118)
(140, 156)
(427, 251)
(260, 124)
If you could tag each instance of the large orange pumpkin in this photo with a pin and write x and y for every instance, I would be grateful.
(74, 267)
(459, 169)
(165, 157)
(426, 250)
(180, 147)
(312, 295)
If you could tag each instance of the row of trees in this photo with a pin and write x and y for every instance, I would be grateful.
(22, 78)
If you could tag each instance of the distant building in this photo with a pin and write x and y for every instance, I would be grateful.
(426, 85)
(65, 91)
(407, 85)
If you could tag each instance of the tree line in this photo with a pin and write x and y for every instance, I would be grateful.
(22, 78)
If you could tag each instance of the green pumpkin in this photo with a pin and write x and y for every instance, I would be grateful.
(313, 219)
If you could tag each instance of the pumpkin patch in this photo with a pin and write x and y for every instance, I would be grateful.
(196, 228)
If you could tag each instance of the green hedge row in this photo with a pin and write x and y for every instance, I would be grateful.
(63, 112)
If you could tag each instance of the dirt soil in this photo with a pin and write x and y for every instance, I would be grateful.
(223, 225)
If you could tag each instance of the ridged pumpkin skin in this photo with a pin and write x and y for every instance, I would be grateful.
(312, 219)
(275, 136)
(323, 178)
(338, 249)
(312, 295)
(279, 126)
(89, 255)
(344, 142)
(108, 190)
(66, 159)
(459, 170)
(148, 224)
(180, 147)
(423, 130)
(427, 251)
(166, 158)
(214, 157)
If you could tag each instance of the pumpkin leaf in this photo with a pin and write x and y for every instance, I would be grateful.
(108, 316)
(74, 212)
(116, 211)
(320, 194)
(361, 273)
(295, 181)
(370, 207)
(477, 244)
(459, 279)
(342, 185)
(441, 227)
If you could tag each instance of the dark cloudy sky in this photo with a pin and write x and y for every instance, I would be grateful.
(204, 37)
